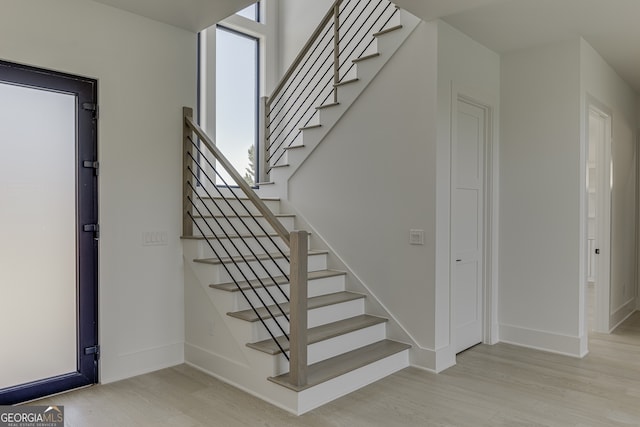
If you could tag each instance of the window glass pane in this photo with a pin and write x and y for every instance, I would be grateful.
(38, 227)
(237, 100)
(250, 12)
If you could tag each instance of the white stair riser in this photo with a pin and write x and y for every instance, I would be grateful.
(333, 313)
(345, 343)
(286, 130)
(317, 287)
(236, 225)
(336, 346)
(245, 246)
(248, 271)
(323, 393)
(218, 206)
(316, 317)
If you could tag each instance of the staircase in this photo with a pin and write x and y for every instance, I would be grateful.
(264, 311)
(291, 134)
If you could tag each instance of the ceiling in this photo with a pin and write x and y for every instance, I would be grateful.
(612, 27)
(192, 15)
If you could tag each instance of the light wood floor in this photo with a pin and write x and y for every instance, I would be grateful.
(498, 385)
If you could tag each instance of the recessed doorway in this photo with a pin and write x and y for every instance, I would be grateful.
(598, 239)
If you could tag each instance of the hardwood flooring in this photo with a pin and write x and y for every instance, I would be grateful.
(499, 385)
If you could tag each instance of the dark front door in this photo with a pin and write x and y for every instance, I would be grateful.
(48, 233)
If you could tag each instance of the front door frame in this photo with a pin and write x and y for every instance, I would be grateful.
(86, 92)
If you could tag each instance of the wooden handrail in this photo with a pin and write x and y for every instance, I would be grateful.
(305, 49)
(246, 189)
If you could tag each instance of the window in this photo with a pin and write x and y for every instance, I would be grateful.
(237, 76)
(237, 65)
(251, 12)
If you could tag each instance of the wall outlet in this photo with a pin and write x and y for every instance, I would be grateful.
(155, 238)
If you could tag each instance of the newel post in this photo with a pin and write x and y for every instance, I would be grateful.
(187, 207)
(298, 316)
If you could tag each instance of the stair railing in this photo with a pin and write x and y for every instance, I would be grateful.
(325, 62)
(203, 182)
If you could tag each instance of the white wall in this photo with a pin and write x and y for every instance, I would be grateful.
(298, 19)
(146, 72)
(468, 69)
(373, 178)
(601, 82)
(384, 169)
(539, 198)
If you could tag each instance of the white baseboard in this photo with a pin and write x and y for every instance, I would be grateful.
(622, 314)
(240, 376)
(434, 361)
(567, 345)
(129, 365)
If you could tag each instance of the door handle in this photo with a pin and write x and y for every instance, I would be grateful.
(597, 251)
(458, 260)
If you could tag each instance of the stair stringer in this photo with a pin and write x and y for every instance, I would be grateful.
(428, 359)
(366, 71)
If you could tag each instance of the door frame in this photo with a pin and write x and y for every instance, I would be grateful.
(603, 219)
(490, 333)
(86, 92)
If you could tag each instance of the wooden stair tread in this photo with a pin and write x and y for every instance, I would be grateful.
(231, 236)
(242, 198)
(295, 147)
(286, 165)
(244, 216)
(321, 333)
(333, 104)
(339, 365)
(280, 280)
(364, 58)
(310, 127)
(315, 302)
(388, 30)
(346, 82)
(248, 258)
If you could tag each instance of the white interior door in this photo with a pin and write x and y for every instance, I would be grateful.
(599, 218)
(467, 224)
(37, 234)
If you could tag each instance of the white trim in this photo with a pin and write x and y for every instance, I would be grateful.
(637, 217)
(542, 340)
(491, 331)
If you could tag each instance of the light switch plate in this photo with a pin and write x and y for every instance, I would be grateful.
(155, 238)
(416, 237)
